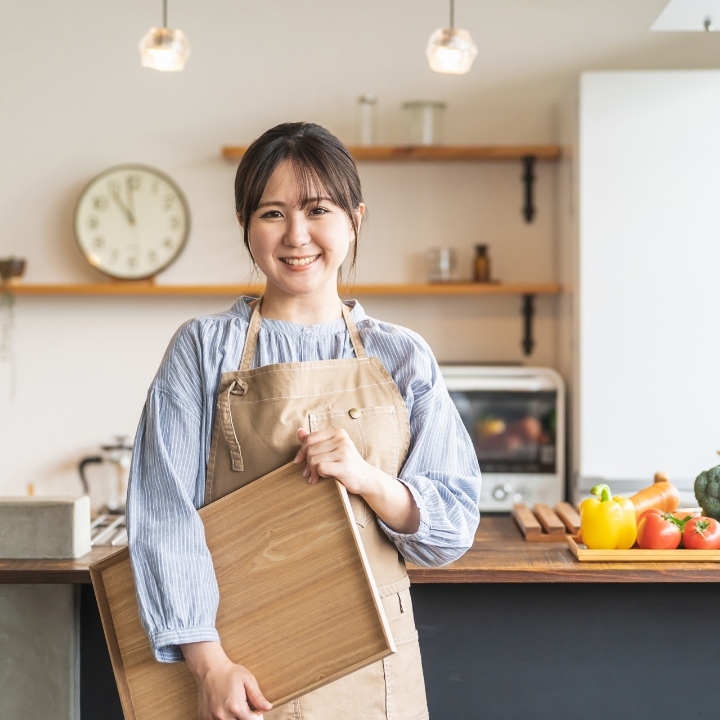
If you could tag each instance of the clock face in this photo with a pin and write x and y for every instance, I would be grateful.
(131, 222)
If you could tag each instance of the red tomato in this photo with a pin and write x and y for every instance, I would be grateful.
(702, 533)
(656, 531)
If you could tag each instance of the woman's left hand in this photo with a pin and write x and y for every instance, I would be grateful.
(331, 453)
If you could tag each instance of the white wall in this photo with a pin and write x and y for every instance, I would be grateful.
(74, 100)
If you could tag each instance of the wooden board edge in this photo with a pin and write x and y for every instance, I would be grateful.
(98, 583)
(573, 546)
(390, 641)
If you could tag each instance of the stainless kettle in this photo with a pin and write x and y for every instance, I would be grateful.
(118, 456)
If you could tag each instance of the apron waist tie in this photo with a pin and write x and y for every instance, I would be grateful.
(236, 387)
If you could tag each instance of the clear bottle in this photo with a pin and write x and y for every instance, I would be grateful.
(366, 129)
(482, 264)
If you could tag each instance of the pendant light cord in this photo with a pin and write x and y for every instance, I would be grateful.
(165, 13)
(452, 13)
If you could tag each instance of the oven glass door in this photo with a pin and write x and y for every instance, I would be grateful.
(513, 432)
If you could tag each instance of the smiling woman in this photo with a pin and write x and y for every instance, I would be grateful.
(297, 375)
(295, 188)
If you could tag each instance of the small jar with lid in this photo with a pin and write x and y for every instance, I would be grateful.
(481, 267)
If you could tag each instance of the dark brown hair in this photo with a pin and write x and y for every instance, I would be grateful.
(320, 161)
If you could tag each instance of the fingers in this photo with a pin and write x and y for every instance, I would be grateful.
(256, 698)
(309, 439)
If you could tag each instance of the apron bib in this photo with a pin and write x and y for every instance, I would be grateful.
(258, 414)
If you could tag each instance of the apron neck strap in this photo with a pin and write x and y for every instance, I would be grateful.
(357, 343)
(254, 330)
(252, 335)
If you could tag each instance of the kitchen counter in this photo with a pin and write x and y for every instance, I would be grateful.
(499, 555)
(512, 629)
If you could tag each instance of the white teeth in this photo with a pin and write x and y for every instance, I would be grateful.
(300, 261)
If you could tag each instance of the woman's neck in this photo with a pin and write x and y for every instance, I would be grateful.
(310, 309)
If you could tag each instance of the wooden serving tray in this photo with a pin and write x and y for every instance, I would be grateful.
(298, 603)
(541, 523)
(584, 554)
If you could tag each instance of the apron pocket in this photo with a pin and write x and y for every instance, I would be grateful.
(375, 433)
(374, 430)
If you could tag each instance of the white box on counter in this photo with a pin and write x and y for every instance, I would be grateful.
(44, 527)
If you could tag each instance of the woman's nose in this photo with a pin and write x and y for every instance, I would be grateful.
(297, 233)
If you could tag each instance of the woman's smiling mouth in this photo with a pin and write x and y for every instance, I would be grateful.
(300, 261)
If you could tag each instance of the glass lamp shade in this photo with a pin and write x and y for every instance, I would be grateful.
(450, 50)
(164, 49)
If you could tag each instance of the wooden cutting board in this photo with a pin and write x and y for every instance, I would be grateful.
(634, 555)
(298, 604)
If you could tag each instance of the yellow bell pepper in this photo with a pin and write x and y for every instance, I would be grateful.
(606, 522)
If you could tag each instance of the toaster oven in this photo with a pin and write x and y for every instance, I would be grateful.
(516, 419)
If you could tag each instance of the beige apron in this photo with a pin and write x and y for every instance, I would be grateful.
(258, 414)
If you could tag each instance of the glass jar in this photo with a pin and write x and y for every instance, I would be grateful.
(440, 263)
(423, 122)
(366, 128)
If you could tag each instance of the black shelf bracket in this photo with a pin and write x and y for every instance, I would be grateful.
(528, 311)
(528, 179)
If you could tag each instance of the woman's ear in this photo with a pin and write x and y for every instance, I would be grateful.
(359, 214)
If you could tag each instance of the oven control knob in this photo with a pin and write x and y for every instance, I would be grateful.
(500, 492)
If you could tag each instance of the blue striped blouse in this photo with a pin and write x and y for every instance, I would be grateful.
(176, 587)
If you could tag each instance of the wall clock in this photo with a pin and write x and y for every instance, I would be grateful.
(131, 222)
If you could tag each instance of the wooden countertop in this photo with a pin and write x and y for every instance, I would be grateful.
(499, 555)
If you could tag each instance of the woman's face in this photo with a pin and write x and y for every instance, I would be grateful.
(299, 249)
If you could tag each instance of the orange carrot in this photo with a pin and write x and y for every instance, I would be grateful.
(662, 494)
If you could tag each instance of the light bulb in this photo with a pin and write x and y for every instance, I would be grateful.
(450, 50)
(164, 49)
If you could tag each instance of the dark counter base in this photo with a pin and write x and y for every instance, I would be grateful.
(531, 652)
(99, 699)
(563, 652)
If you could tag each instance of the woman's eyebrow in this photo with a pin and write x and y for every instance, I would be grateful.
(306, 201)
(271, 202)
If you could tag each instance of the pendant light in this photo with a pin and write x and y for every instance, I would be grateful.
(164, 49)
(450, 50)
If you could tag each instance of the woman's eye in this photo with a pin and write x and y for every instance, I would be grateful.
(272, 214)
(318, 211)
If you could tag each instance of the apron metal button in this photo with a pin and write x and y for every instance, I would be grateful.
(354, 413)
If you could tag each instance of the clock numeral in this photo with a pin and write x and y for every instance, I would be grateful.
(134, 182)
(99, 242)
(93, 221)
(174, 222)
(113, 256)
(167, 242)
(132, 262)
(168, 202)
(152, 256)
(100, 202)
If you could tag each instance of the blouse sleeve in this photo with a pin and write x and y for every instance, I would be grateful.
(441, 470)
(176, 587)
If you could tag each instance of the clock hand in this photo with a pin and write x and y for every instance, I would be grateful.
(118, 200)
(130, 190)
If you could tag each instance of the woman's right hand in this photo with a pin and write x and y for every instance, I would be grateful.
(226, 691)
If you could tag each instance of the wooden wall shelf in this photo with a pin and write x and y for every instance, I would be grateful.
(528, 155)
(527, 291)
(396, 289)
(401, 153)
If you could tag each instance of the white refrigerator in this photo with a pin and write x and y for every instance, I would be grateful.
(640, 258)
